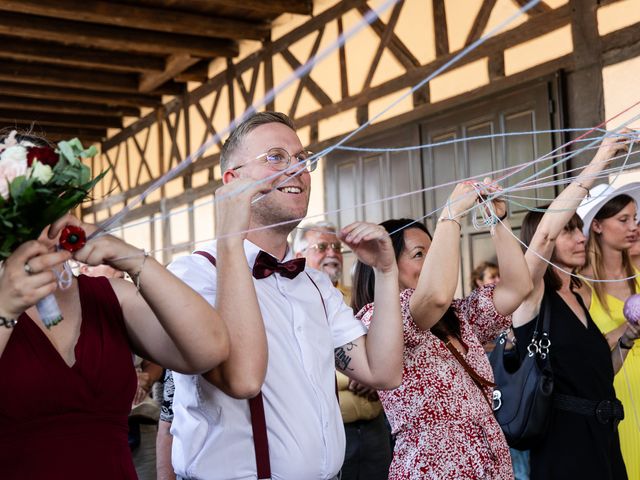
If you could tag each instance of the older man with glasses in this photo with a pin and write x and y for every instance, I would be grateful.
(368, 449)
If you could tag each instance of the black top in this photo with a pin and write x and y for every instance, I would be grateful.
(576, 446)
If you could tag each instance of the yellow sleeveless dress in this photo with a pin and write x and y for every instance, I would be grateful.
(628, 428)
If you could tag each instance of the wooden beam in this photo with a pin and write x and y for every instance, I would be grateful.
(64, 77)
(176, 64)
(621, 45)
(585, 91)
(268, 78)
(271, 48)
(47, 52)
(153, 207)
(73, 108)
(196, 73)
(604, 3)
(496, 66)
(60, 119)
(113, 38)
(140, 17)
(303, 7)
(440, 27)
(481, 21)
(536, 9)
(86, 141)
(539, 73)
(147, 121)
(385, 38)
(304, 80)
(342, 55)
(396, 46)
(535, 27)
(207, 162)
(100, 98)
(55, 133)
(314, 89)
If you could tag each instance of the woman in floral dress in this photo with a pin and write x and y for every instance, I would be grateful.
(441, 414)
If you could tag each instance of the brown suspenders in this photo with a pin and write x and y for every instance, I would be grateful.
(256, 406)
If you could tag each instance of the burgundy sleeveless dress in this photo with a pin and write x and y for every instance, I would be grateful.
(61, 422)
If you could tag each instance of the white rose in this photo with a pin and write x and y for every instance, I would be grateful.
(40, 172)
(13, 163)
(15, 153)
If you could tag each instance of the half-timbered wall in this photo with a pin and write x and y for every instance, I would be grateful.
(568, 41)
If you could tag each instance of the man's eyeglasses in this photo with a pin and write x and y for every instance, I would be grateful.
(279, 159)
(323, 246)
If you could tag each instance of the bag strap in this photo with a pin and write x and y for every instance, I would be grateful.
(258, 421)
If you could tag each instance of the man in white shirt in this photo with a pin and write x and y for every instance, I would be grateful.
(291, 325)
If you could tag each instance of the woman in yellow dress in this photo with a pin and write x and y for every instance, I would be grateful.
(610, 224)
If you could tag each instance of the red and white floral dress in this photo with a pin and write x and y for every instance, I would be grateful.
(444, 426)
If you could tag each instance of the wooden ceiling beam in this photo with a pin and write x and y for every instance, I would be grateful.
(176, 64)
(58, 76)
(197, 73)
(86, 141)
(59, 119)
(73, 108)
(55, 54)
(62, 133)
(303, 7)
(169, 88)
(113, 38)
(141, 17)
(70, 94)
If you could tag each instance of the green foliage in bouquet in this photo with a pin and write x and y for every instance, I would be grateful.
(38, 185)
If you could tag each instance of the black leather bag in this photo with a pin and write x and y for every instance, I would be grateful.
(523, 396)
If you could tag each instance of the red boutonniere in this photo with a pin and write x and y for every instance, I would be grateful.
(72, 238)
(45, 155)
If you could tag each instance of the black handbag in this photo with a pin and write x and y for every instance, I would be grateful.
(523, 396)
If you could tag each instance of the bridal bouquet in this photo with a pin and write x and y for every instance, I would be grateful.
(38, 185)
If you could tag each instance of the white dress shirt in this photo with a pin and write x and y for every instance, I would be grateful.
(212, 431)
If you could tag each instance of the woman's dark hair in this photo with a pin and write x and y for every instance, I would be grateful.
(528, 229)
(594, 249)
(364, 279)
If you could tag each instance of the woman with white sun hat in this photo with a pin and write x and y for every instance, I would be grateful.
(610, 225)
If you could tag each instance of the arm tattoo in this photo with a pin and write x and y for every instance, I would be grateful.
(342, 358)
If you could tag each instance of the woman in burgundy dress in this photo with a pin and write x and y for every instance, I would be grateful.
(66, 391)
(441, 413)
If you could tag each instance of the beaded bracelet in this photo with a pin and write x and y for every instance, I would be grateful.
(8, 322)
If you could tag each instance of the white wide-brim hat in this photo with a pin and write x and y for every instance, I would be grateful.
(601, 194)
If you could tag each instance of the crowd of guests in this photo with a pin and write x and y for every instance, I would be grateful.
(274, 369)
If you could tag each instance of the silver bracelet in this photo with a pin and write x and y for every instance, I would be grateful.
(449, 219)
(579, 184)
